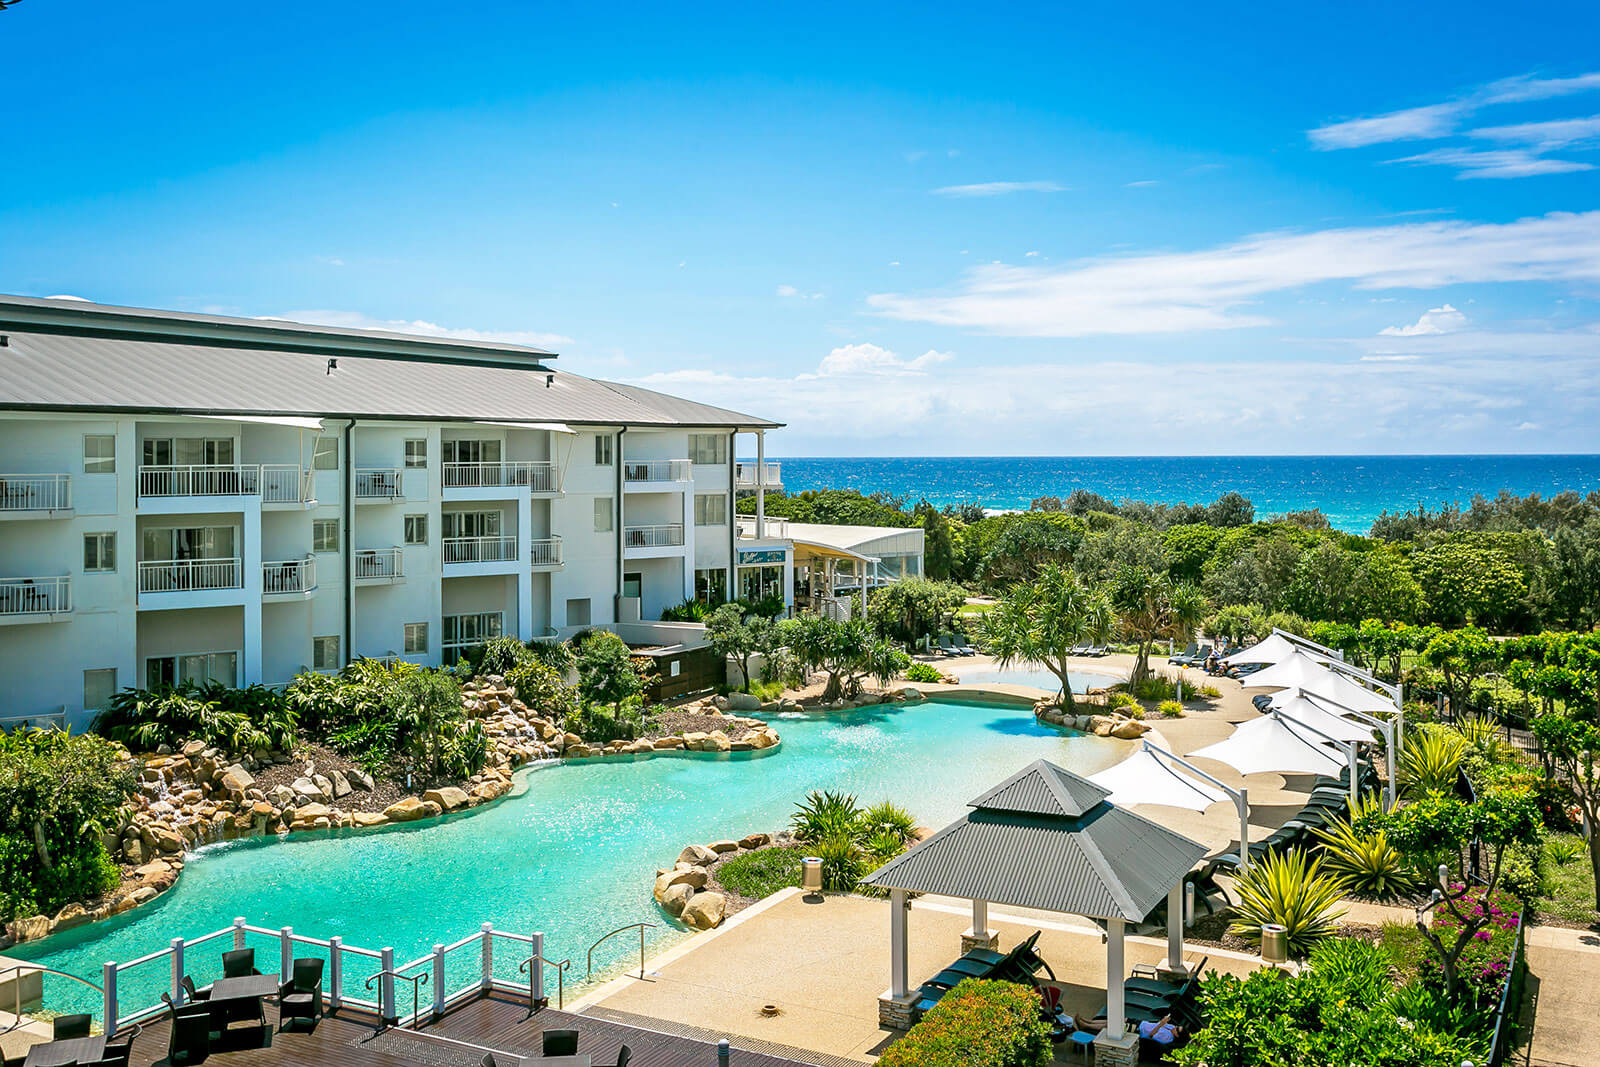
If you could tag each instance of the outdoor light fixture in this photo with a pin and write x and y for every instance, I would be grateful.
(548, 379)
(333, 365)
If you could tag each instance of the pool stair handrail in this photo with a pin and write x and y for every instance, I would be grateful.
(482, 980)
(16, 988)
(589, 971)
(537, 1002)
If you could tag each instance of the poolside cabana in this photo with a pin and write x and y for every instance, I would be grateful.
(1301, 671)
(1048, 839)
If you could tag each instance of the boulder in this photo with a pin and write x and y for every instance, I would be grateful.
(720, 847)
(742, 702)
(704, 910)
(191, 749)
(1129, 729)
(696, 855)
(168, 840)
(716, 741)
(676, 898)
(693, 877)
(363, 819)
(762, 739)
(341, 784)
(33, 927)
(450, 798)
(360, 780)
(750, 841)
(306, 787)
(409, 809)
(70, 916)
(133, 850)
(642, 745)
(721, 703)
(141, 895)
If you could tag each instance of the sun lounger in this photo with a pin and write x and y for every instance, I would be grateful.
(1185, 657)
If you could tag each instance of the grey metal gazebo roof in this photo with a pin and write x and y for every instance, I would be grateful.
(1047, 838)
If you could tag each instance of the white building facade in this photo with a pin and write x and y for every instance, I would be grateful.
(191, 498)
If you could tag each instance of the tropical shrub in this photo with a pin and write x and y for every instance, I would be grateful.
(238, 720)
(1119, 700)
(850, 841)
(607, 673)
(923, 672)
(1365, 859)
(381, 714)
(826, 814)
(979, 1023)
(1563, 850)
(499, 655)
(1044, 620)
(913, 608)
(691, 610)
(1155, 687)
(1293, 889)
(58, 794)
(844, 861)
(538, 685)
(1170, 709)
(1430, 760)
(887, 818)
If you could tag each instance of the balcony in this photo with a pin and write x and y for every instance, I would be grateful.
(535, 476)
(35, 496)
(745, 475)
(378, 485)
(667, 535)
(287, 485)
(378, 565)
(776, 529)
(480, 550)
(43, 599)
(544, 553)
(289, 578)
(219, 480)
(191, 583)
(656, 474)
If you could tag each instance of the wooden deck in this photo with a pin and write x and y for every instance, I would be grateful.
(499, 1023)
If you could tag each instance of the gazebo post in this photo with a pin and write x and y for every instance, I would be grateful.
(899, 972)
(980, 936)
(1113, 1046)
(1173, 966)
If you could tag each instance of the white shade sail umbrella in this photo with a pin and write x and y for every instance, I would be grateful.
(1307, 710)
(1274, 649)
(1146, 778)
(1269, 744)
(1302, 672)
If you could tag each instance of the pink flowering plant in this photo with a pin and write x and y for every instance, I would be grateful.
(1485, 962)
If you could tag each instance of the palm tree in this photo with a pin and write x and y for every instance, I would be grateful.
(1042, 622)
(1152, 606)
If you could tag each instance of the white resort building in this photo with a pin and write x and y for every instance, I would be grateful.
(199, 497)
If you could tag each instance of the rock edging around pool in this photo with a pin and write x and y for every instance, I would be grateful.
(683, 890)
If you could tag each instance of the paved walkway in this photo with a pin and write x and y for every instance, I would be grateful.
(1562, 1000)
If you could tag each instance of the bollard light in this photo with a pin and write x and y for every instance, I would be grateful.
(1274, 943)
(811, 874)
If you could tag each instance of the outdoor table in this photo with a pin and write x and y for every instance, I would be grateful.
(554, 1061)
(67, 1050)
(249, 987)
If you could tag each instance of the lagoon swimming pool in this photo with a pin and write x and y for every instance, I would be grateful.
(1035, 675)
(571, 853)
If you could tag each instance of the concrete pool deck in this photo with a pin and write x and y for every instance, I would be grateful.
(823, 961)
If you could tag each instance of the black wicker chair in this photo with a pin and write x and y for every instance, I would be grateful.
(301, 996)
(560, 1043)
(69, 1026)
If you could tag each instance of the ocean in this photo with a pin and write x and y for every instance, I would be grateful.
(1350, 490)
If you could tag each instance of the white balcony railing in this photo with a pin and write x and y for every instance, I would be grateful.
(378, 483)
(662, 536)
(371, 563)
(221, 480)
(289, 576)
(480, 549)
(50, 595)
(657, 470)
(545, 552)
(286, 483)
(538, 476)
(35, 492)
(190, 575)
(744, 474)
(778, 528)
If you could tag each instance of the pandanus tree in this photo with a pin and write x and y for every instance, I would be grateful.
(1043, 621)
(1151, 607)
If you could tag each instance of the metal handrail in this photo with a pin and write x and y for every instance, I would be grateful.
(414, 979)
(561, 987)
(613, 933)
(16, 987)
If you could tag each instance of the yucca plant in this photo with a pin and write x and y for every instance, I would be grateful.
(1367, 861)
(824, 814)
(1431, 759)
(1294, 890)
(843, 862)
(887, 818)
(1483, 738)
(1563, 850)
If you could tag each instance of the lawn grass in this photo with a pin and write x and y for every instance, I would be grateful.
(1568, 895)
(761, 873)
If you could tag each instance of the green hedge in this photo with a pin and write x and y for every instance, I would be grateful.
(978, 1024)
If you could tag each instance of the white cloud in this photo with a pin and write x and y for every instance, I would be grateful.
(1147, 182)
(1544, 136)
(355, 320)
(871, 359)
(791, 291)
(998, 189)
(1442, 319)
(1496, 163)
(1432, 121)
(1218, 288)
(1030, 255)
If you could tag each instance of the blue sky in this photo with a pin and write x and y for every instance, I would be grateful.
(912, 230)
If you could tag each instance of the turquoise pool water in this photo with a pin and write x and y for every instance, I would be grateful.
(572, 853)
(1034, 675)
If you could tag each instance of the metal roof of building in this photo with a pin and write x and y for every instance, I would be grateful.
(56, 371)
(1021, 846)
(856, 538)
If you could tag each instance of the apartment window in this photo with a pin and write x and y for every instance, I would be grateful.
(604, 444)
(463, 631)
(416, 529)
(165, 543)
(198, 667)
(710, 509)
(471, 523)
(98, 687)
(325, 653)
(602, 514)
(711, 586)
(188, 451)
(578, 611)
(416, 452)
(487, 451)
(633, 585)
(99, 453)
(99, 553)
(708, 448)
(325, 457)
(324, 535)
(416, 639)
